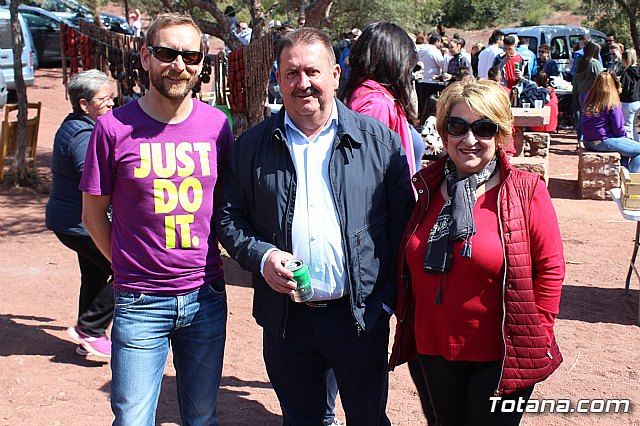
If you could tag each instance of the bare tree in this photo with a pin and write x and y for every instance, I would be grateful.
(632, 8)
(22, 175)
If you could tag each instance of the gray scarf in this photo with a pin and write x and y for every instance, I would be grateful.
(455, 221)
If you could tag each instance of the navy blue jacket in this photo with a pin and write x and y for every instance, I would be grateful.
(369, 178)
(64, 209)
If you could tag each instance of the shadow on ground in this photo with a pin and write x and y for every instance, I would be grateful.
(234, 274)
(563, 188)
(30, 335)
(599, 305)
(234, 406)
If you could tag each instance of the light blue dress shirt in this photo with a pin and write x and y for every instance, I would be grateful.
(316, 231)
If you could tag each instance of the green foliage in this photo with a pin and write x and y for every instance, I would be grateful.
(534, 12)
(475, 14)
(567, 5)
(608, 17)
(412, 15)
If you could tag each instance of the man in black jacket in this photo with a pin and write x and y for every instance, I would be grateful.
(331, 187)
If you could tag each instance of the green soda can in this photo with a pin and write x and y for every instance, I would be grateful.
(301, 276)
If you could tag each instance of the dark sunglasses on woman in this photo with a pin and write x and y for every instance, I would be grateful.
(167, 54)
(483, 128)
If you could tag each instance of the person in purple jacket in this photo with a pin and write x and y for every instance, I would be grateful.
(603, 122)
(156, 160)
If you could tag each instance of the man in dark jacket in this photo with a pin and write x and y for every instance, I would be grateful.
(331, 187)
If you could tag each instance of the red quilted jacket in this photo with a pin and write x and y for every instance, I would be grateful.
(531, 353)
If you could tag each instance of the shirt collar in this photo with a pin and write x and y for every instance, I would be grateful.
(332, 122)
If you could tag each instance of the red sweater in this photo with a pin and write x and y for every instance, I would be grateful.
(465, 326)
(531, 284)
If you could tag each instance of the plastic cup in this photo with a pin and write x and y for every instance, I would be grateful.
(538, 104)
(526, 106)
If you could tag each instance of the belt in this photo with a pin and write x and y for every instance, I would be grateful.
(595, 142)
(326, 303)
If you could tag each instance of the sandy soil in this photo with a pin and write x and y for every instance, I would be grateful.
(43, 382)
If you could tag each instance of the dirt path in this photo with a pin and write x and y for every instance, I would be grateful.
(43, 382)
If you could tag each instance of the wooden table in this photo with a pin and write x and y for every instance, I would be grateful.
(635, 216)
(527, 118)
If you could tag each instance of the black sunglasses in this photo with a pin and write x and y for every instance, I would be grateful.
(483, 128)
(167, 54)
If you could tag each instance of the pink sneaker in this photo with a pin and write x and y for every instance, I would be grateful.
(98, 346)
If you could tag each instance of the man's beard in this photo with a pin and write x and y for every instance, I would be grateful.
(173, 90)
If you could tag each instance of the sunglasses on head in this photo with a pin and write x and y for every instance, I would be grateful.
(167, 54)
(483, 128)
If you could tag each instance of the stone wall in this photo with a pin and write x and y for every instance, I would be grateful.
(598, 172)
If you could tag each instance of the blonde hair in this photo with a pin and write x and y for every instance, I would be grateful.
(166, 20)
(486, 98)
(630, 57)
(603, 95)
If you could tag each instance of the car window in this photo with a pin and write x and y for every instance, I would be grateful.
(559, 48)
(574, 40)
(5, 34)
(38, 22)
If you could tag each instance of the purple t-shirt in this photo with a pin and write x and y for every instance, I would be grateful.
(603, 125)
(161, 179)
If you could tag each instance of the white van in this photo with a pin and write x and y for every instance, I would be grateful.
(560, 38)
(6, 51)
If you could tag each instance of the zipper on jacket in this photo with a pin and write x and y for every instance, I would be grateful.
(403, 276)
(415, 227)
(344, 237)
(287, 243)
(504, 282)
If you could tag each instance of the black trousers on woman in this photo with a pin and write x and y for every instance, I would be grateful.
(460, 392)
(95, 308)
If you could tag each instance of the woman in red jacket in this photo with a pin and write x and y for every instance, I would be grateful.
(481, 267)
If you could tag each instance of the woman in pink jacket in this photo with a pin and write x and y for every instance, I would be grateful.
(382, 61)
(480, 268)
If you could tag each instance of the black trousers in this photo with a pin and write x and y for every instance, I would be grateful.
(316, 339)
(95, 307)
(415, 369)
(460, 392)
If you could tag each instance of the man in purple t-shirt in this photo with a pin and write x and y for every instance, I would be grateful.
(156, 161)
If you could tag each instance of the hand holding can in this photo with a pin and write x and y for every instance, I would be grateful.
(304, 290)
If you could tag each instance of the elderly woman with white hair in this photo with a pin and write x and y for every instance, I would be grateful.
(90, 96)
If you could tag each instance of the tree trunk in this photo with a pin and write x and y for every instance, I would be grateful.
(317, 14)
(257, 18)
(631, 9)
(21, 91)
(126, 10)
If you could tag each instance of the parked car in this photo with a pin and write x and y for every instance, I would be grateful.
(45, 30)
(116, 23)
(65, 9)
(72, 11)
(3, 91)
(560, 39)
(28, 58)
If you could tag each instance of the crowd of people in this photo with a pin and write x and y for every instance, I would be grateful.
(466, 252)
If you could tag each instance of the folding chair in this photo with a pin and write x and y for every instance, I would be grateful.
(10, 133)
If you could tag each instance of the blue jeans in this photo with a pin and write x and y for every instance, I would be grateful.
(625, 146)
(630, 113)
(144, 326)
(581, 99)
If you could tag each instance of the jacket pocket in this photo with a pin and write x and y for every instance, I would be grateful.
(370, 258)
